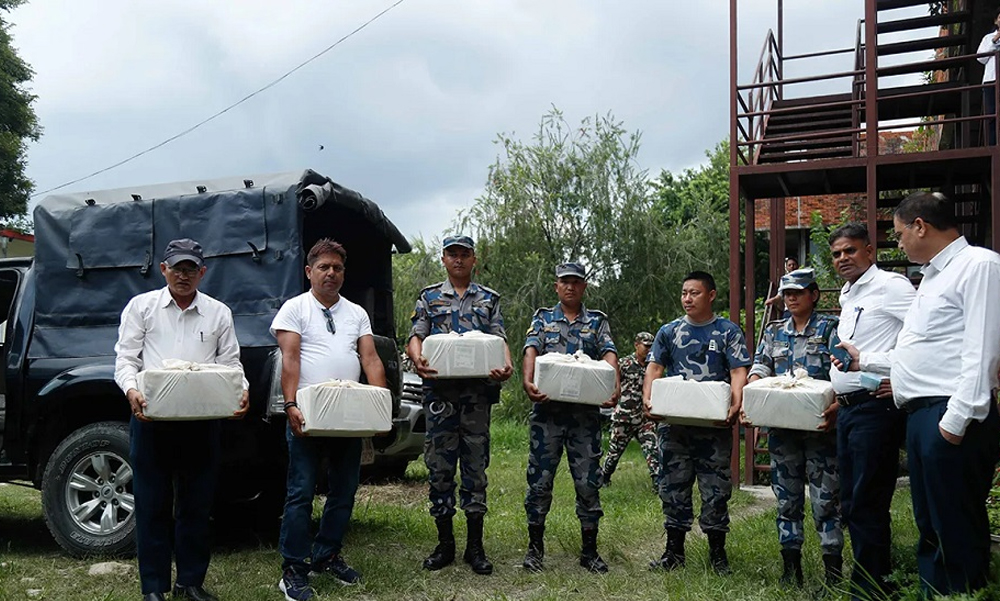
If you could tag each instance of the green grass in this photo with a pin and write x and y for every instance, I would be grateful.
(392, 532)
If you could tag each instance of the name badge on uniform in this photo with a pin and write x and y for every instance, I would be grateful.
(713, 346)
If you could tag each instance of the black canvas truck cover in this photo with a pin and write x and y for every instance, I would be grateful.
(96, 250)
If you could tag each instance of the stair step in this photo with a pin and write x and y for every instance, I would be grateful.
(815, 125)
(811, 100)
(806, 116)
(932, 43)
(808, 144)
(891, 4)
(822, 153)
(922, 22)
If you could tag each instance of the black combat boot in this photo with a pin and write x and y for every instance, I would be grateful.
(833, 568)
(475, 555)
(536, 548)
(673, 555)
(444, 552)
(588, 554)
(717, 553)
(791, 559)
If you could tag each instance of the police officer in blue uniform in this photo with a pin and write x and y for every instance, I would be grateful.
(458, 411)
(804, 340)
(703, 347)
(567, 327)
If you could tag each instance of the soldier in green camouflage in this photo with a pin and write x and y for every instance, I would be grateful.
(628, 420)
(803, 340)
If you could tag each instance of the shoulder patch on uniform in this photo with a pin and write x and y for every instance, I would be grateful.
(597, 313)
(432, 287)
(490, 290)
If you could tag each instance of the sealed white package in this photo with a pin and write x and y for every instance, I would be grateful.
(686, 402)
(186, 391)
(792, 402)
(574, 378)
(467, 355)
(345, 409)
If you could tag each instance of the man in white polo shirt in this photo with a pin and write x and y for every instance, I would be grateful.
(322, 336)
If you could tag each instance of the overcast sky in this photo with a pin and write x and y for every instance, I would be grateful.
(408, 109)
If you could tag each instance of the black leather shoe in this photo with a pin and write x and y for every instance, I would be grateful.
(154, 597)
(194, 593)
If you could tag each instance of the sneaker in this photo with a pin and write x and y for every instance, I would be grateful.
(295, 587)
(338, 568)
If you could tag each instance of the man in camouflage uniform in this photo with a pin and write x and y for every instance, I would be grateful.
(706, 348)
(458, 410)
(628, 420)
(803, 340)
(566, 328)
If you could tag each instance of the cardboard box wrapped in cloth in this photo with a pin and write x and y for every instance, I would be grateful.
(792, 402)
(467, 355)
(345, 409)
(574, 378)
(690, 403)
(186, 391)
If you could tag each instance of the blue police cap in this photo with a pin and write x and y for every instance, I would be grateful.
(571, 269)
(458, 241)
(800, 279)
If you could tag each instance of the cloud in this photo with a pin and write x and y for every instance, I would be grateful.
(407, 110)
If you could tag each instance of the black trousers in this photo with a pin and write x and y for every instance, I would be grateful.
(869, 436)
(949, 484)
(175, 468)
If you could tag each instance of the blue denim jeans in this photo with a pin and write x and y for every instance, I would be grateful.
(305, 456)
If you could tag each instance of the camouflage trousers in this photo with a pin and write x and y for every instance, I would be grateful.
(687, 452)
(458, 435)
(577, 428)
(622, 433)
(797, 458)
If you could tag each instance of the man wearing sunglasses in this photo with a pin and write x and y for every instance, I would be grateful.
(322, 336)
(175, 463)
(458, 411)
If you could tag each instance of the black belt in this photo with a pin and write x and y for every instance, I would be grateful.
(849, 399)
(923, 403)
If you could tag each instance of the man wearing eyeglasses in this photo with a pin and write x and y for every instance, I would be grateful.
(870, 428)
(322, 336)
(175, 463)
(458, 411)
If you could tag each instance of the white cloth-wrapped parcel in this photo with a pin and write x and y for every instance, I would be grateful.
(794, 402)
(345, 409)
(691, 403)
(186, 391)
(467, 355)
(574, 378)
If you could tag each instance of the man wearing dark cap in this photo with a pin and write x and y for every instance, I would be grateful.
(628, 420)
(174, 322)
(567, 328)
(458, 410)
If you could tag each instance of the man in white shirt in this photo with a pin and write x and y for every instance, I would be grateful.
(990, 43)
(943, 371)
(870, 428)
(322, 336)
(174, 322)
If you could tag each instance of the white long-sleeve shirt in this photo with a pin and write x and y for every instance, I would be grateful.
(153, 328)
(950, 341)
(871, 316)
(987, 45)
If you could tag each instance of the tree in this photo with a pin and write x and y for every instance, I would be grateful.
(18, 124)
(574, 193)
(411, 272)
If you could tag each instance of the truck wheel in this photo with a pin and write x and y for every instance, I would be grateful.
(87, 492)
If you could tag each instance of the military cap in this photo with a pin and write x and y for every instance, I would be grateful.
(458, 241)
(800, 279)
(645, 338)
(184, 249)
(571, 269)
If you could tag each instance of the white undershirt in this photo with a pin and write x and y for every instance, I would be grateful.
(324, 356)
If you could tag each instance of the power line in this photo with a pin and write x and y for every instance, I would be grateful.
(225, 110)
